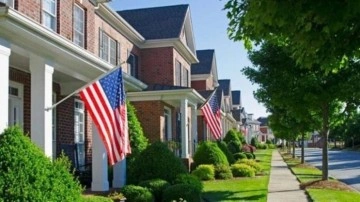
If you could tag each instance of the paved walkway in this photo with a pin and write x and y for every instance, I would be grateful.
(283, 185)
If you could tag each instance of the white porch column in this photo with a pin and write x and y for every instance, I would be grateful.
(41, 98)
(194, 128)
(4, 83)
(100, 180)
(184, 129)
(119, 172)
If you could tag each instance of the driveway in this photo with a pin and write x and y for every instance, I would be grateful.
(343, 165)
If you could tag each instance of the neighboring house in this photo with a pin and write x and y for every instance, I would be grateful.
(204, 79)
(167, 109)
(266, 132)
(228, 121)
(236, 108)
(252, 127)
(50, 48)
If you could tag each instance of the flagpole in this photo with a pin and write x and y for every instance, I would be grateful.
(81, 88)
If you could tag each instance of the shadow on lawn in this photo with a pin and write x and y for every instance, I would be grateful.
(212, 196)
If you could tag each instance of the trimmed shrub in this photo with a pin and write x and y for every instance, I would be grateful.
(271, 146)
(186, 192)
(222, 145)
(239, 156)
(253, 154)
(204, 172)
(232, 136)
(242, 170)
(156, 186)
(233, 147)
(26, 174)
(157, 161)
(263, 146)
(250, 163)
(223, 172)
(134, 193)
(209, 153)
(254, 142)
(138, 141)
(268, 141)
(249, 155)
(189, 179)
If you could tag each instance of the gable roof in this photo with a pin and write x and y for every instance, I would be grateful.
(158, 22)
(204, 66)
(236, 97)
(224, 84)
(263, 121)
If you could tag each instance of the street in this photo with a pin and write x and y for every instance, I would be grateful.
(343, 165)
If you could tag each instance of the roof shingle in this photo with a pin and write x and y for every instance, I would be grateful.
(204, 66)
(224, 84)
(158, 22)
(236, 97)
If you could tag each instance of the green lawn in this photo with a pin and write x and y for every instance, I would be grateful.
(241, 189)
(307, 173)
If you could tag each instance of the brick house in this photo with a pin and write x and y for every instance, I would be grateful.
(50, 48)
(167, 109)
(204, 78)
(237, 109)
(228, 120)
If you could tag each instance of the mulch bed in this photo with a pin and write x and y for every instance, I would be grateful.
(328, 184)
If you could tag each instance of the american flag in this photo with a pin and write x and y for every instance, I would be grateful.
(212, 115)
(105, 101)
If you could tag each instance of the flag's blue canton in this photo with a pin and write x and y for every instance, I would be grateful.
(214, 104)
(112, 84)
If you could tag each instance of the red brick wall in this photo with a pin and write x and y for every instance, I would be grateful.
(149, 114)
(65, 121)
(32, 9)
(65, 19)
(25, 79)
(198, 85)
(157, 66)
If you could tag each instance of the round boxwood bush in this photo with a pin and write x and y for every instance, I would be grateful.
(157, 161)
(189, 179)
(223, 172)
(242, 170)
(156, 186)
(26, 174)
(186, 192)
(233, 147)
(249, 155)
(134, 193)
(232, 135)
(223, 146)
(251, 163)
(204, 172)
(239, 156)
(209, 153)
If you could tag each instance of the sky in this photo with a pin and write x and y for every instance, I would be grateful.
(210, 31)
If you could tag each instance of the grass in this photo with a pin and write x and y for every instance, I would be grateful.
(320, 191)
(241, 189)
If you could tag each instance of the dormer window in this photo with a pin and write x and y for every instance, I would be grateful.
(9, 3)
(49, 14)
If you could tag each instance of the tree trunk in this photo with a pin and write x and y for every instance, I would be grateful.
(293, 149)
(302, 148)
(325, 134)
(335, 144)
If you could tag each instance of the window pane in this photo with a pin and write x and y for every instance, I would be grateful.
(112, 52)
(178, 73)
(78, 26)
(50, 6)
(105, 47)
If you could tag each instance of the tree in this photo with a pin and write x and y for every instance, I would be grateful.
(324, 33)
(310, 95)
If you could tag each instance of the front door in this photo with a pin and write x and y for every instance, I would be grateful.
(15, 115)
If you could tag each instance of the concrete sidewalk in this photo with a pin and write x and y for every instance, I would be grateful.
(283, 185)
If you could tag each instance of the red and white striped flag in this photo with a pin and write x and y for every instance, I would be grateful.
(105, 101)
(211, 111)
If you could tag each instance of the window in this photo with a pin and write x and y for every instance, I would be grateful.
(133, 65)
(79, 131)
(79, 26)
(167, 127)
(49, 14)
(10, 3)
(15, 113)
(109, 50)
(181, 75)
(177, 73)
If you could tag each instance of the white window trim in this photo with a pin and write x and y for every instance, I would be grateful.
(108, 51)
(51, 14)
(77, 31)
(80, 110)
(169, 129)
(20, 96)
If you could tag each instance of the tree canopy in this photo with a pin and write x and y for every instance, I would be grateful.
(325, 33)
